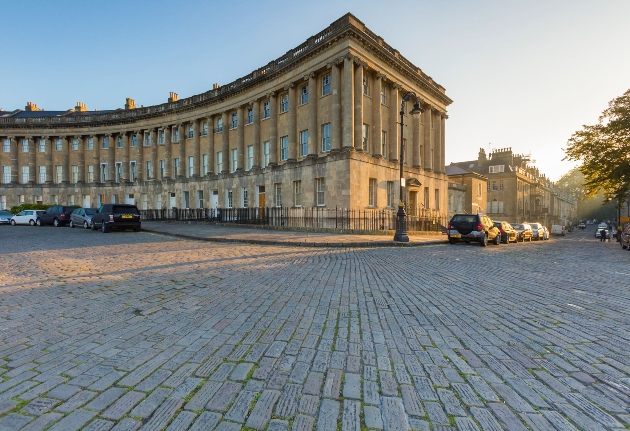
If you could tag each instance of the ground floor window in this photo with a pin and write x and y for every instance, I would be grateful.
(278, 194)
(372, 189)
(390, 194)
(297, 193)
(320, 189)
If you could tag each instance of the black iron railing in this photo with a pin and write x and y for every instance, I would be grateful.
(301, 218)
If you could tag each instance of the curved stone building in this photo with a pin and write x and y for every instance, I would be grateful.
(315, 127)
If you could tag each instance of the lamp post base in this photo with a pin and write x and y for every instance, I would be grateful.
(401, 226)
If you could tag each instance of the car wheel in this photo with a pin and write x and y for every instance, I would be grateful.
(105, 228)
(497, 240)
(56, 223)
(71, 224)
(38, 222)
(483, 241)
(12, 222)
(86, 225)
(31, 222)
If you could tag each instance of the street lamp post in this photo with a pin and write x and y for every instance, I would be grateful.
(401, 225)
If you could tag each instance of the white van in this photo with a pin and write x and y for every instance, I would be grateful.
(557, 229)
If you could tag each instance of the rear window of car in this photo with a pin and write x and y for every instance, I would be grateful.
(465, 217)
(66, 209)
(117, 209)
(517, 226)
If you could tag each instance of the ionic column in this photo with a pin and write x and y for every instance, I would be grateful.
(49, 160)
(81, 159)
(273, 130)
(417, 139)
(65, 160)
(182, 151)
(240, 140)
(14, 160)
(96, 157)
(443, 143)
(139, 155)
(211, 150)
(256, 133)
(377, 127)
(437, 145)
(31, 160)
(292, 124)
(154, 154)
(196, 149)
(313, 129)
(358, 106)
(394, 132)
(167, 152)
(225, 142)
(428, 112)
(125, 160)
(348, 108)
(335, 122)
(111, 158)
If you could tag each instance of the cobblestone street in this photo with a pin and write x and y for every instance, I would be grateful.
(130, 331)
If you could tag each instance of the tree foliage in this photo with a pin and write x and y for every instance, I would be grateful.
(604, 149)
(17, 208)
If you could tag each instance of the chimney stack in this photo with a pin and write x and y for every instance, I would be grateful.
(30, 106)
(215, 86)
(80, 107)
(131, 104)
(173, 97)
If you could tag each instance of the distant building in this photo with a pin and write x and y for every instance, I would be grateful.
(517, 192)
(467, 191)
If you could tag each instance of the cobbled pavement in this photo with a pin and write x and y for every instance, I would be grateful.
(130, 331)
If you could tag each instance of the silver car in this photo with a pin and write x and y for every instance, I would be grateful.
(82, 217)
(539, 231)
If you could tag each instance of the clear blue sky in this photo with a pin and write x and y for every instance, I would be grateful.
(524, 75)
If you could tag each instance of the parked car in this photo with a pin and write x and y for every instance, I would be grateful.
(600, 227)
(539, 231)
(557, 229)
(508, 234)
(5, 217)
(524, 231)
(582, 226)
(473, 227)
(25, 217)
(625, 237)
(56, 215)
(116, 216)
(82, 217)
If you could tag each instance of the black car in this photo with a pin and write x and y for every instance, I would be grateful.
(473, 227)
(116, 216)
(508, 234)
(56, 215)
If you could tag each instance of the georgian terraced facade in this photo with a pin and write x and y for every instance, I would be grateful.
(316, 127)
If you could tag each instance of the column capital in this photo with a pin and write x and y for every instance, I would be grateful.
(396, 86)
(309, 75)
(289, 86)
(29, 137)
(78, 136)
(271, 94)
(380, 75)
(359, 62)
(137, 132)
(45, 137)
(444, 115)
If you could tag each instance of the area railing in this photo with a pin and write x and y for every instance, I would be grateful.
(311, 218)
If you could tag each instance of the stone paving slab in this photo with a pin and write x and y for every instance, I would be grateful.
(134, 330)
(227, 234)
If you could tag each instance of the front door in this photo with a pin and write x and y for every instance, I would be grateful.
(171, 201)
(261, 201)
(413, 203)
(214, 199)
(86, 201)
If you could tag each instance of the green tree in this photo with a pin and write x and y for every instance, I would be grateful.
(604, 149)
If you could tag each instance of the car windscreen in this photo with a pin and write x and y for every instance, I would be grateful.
(517, 226)
(90, 211)
(117, 209)
(468, 218)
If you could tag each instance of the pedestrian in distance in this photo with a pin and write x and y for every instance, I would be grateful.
(602, 235)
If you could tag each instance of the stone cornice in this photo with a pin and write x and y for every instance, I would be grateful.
(346, 27)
